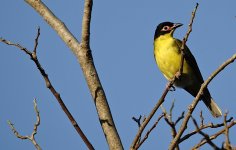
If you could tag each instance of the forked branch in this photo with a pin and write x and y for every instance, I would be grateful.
(83, 54)
(34, 58)
(32, 136)
(214, 136)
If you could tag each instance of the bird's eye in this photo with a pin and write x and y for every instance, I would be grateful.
(165, 28)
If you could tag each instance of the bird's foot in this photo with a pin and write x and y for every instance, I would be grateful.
(171, 88)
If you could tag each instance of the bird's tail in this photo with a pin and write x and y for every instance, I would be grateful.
(213, 107)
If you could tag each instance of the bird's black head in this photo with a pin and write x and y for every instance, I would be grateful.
(166, 27)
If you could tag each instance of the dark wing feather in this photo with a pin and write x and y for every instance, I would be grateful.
(189, 58)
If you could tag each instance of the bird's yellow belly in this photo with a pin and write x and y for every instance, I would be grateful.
(168, 59)
(168, 63)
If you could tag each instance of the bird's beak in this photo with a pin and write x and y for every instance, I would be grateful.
(176, 25)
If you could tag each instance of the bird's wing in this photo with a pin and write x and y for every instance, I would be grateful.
(189, 58)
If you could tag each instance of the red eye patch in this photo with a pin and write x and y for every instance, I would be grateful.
(166, 28)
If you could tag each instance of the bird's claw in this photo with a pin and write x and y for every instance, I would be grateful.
(171, 88)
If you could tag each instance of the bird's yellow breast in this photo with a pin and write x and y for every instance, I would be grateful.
(168, 56)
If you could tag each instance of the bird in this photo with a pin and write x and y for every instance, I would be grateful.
(167, 53)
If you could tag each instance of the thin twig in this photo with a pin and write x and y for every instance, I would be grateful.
(138, 121)
(185, 39)
(214, 136)
(171, 109)
(179, 118)
(34, 58)
(146, 121)
(16, 45)
(202, 119)
(170, 122)
(206, 136)
(210, 125)
(196, 100)
(36, 41)
(32, 136)
(149, 131)
(227, 141)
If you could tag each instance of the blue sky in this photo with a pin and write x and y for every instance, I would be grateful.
(122, 47)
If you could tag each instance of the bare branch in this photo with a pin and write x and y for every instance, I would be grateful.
(185, 39)
(38, 119)
(34, 58)
(16, 45)
(15, 131)
(202, 127)
(179, 118)
(146, 121)
(196, 100)
(168, 119)
(32, 136)
(206, 136)
(36, 41)
(88, 4)
(202, 119)
(84, 56)
(214, 136)
(170, 122)
(171, 109)
(149, 131)
(138, 121)
(227, 142)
